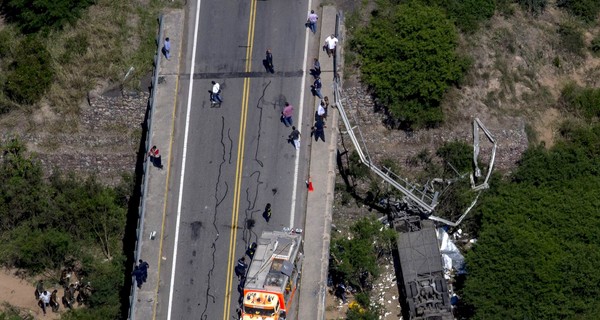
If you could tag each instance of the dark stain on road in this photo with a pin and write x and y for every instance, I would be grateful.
(196, 226)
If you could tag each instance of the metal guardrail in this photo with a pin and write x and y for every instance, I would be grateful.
(144, 186)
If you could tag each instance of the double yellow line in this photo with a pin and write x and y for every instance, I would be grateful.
(239, 162)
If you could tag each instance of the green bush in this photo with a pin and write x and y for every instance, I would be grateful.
(408, 59)
(571, 39)
(595, 45)
(585, 101)
(456, 155)
(467, 14)
(534, 6)
(31, 72)
(538, 247)
(36, 15)
(585, 9)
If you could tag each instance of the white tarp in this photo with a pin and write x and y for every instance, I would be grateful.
(451, 256)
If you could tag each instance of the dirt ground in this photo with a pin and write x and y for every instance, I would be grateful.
(20, 293)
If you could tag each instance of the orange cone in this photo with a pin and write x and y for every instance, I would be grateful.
(310, 186)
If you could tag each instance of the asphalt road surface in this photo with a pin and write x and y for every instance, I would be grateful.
(231, 159)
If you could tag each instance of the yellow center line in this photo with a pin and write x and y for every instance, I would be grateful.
(239, 167)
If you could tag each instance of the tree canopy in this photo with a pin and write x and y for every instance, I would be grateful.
(539, 244)
(409, 59)
(36, 15)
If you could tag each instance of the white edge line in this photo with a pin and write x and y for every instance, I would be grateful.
(302, 88)
(185, 141)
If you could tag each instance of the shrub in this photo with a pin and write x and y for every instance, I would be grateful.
(467, 14)
(571, 39)
(595, 45)
(534, 6)
(583, 100)
(408, 59)
(587, 10)
(36, 15)
(31, 73)
(456, 155)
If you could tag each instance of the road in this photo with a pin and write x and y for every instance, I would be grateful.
(230, 160)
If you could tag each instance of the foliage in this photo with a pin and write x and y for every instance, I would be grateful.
(585, 9)
(363, 309)
(539, 243)
(583, 100)
(595, 45)
(408, 58)
(571, 39)
(457, 156)
(356, 168)
(534, 6)
(31, 72)
(354, 259)
(36, 15)
(45, 223)
(467, 14)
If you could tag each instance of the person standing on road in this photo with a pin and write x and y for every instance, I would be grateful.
(311, 21)
(269, 62)
(330, 45)
(316, 88)
(321, 111)
(286, 114)
(295, 137)
(54, 301)
(318, 130)
(266, 215)
(316, 70)
(240, 268)
(215, 93)
(167, 48)
(139, 276)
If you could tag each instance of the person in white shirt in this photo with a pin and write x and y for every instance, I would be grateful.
(215, 94)
(44, 300)
(321, 111)
(331, 44)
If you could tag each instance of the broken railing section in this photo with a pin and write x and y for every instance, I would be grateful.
(420, 200)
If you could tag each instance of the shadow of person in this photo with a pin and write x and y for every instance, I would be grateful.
(268, 68)
(315, 73)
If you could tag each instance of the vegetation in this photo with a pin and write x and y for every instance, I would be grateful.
(538, 244)
(43, 15)
(30, 74)
(595, 45)
(583, 101)
(354, 259)
(571, 39)
(408, 58)
(534, 6)
(63, 222)
(587, 10)
(467, 14)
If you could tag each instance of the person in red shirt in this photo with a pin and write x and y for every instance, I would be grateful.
(154, 155)
(286, 114)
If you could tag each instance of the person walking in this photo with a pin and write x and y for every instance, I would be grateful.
(215, 93)
(269, 62)
(39, 288)
(318, 130)
(44, 301)
(144, 266)
(316, 88)
(330, 45)
(167, 48)
(240, 268)
(154, 155)
(286, 114)
(295, 137)
(251, 250)
(321, 111)
(267, 214)
(54, 301)
(311, 21)
(316, 70)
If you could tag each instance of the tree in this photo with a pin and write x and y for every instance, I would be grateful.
(587, 10)
(467, 14)
(408, 59)
(31, 73)
(538, 248)
(35, 15)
